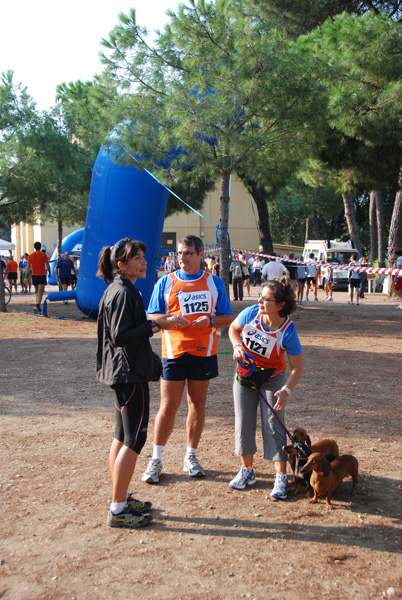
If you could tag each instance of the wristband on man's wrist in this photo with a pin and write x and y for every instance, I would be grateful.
(287, 389)
(236, 345)
(155, 327)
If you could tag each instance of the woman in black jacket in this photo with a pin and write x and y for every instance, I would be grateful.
(126, 363)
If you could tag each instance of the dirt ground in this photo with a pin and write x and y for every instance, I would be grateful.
(206, 541)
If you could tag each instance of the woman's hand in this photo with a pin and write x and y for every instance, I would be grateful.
(238, 352)
(282, 396)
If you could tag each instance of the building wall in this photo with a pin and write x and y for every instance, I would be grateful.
(242, 219)
(24, 235)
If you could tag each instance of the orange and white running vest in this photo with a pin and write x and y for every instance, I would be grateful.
(192, 299)
(266, 347)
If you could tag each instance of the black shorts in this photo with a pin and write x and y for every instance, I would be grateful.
(65, 280)
(354, 283)
(189, 366)
(132, 414)
(301, 280)
(39, 279)
(12, 276)
(311, 280)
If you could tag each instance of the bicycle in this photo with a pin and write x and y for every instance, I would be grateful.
(7, 294)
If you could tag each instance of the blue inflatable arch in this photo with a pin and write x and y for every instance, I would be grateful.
(124, 201)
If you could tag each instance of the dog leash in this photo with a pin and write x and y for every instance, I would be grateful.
(245, 368)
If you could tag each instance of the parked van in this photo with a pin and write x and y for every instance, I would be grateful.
(338, 252)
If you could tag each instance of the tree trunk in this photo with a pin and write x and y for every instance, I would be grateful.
(59, 236)
(373, 228)
(351, 220)
(3, 307)
(309, 229)
(380, 228)
(223, 229)
(259, 196)
(224, 236)
(395, 231)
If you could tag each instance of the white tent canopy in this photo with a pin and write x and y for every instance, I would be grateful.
(4, 245)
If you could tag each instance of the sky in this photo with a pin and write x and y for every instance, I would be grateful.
(49, 42)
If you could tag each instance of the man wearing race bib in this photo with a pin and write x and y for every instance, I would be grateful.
(266, 333)
(200, 303)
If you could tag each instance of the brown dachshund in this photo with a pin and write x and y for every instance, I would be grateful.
(327, 476)
(296, 462)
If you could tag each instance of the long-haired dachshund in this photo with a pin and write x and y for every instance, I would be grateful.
(296, 461)
(327, 476)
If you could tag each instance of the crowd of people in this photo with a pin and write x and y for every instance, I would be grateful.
(34, 269)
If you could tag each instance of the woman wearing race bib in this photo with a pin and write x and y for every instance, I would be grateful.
(265, 332)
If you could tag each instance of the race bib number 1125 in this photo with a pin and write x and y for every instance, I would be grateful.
(195, 303)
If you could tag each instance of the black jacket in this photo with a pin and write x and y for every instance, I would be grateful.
(124, 353)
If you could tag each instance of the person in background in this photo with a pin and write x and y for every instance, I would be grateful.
(274, 269)
(354, 280)
(38, 264)
(258, 265)
(216, 267)
(23, 267)
(301, 280)
(28, 276)
(170, 265)
(237, 278)
(125, 362)
(200, 305)
(63, 271)
(312, 276)
(250, 262)
(210, 263)
(74, 273)
(266, 333)
(12, 273)
(291, 266)
(329, 278)
(363, 277)
(398, 279)
(246, 272)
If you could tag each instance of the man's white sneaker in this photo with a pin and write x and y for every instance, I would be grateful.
(193, 467)
(153, 471)
(244, 477)
(330, 299)
(280, 489)
(306, 299)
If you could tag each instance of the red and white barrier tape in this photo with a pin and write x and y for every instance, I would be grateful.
(359, 269)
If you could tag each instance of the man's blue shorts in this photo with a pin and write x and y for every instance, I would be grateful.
(188, 366)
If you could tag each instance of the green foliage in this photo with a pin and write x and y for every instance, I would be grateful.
(212, 84)
(42, 172)
(297, 202)
(91, 110)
